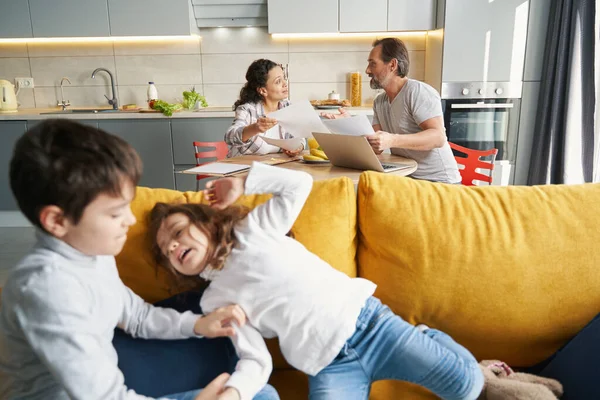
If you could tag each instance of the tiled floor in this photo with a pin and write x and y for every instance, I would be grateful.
(14, 244)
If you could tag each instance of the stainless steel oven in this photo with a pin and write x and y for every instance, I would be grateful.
(485, 115)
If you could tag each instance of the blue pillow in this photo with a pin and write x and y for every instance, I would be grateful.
(159, 367)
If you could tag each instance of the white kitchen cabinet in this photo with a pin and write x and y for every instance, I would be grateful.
(308, 16)
(411, 15)
(484, 41)
(355, 17)
(151, 17)
(14, 19)
(69, 18)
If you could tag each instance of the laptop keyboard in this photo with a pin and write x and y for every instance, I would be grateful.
(388, 166)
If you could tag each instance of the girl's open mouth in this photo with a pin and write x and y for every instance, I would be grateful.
(184, 254)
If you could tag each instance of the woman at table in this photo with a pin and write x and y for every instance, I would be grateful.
(265, 91)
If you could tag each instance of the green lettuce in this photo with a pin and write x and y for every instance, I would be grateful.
(190, 97)
(166, 108)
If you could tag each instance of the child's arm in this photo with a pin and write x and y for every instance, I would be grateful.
(290, 190)
(255, 365)
(60, 326)
(141, 319)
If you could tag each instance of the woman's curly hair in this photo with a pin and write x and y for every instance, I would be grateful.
(256, 78)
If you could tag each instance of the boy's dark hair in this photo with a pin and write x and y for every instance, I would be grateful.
(394, 48)
(67, 164)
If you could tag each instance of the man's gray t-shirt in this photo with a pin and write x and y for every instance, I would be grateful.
(415, 103)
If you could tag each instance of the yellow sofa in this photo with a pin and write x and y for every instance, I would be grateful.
(510, 272)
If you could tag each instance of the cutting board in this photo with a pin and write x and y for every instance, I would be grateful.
(147, 110)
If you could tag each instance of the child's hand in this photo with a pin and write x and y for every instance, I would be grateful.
(218, 322)
(213, 389)
(224, 192)
(230, 394)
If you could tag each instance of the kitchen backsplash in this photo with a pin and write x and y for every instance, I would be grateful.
(215, 64)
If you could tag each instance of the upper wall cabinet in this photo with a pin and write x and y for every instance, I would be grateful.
(486, 44)
(14, 19)
(151, 17)
(411, 15)
(325, 16)
(69, 18)
(308, 16)
(356, 17)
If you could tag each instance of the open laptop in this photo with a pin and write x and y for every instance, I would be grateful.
(353, 152)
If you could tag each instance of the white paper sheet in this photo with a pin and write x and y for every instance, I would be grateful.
(216, 168)
(287, 144)
(357, 125)
(299, 119)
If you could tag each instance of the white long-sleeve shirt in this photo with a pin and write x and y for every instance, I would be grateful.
(285, 290)
(59, 311)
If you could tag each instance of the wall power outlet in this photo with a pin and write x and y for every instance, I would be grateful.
(24, 83)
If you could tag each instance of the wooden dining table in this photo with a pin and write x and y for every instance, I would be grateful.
(319, 171)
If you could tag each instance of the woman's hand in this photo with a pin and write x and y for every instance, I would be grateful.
(224, 192)
(294, 153)
(218, 323)
(343, 114)
(263, 124)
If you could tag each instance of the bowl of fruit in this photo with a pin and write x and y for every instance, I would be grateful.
(317, 155)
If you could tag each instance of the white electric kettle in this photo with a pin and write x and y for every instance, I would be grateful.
(8, 98)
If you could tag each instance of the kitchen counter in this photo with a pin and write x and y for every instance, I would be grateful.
(208, 112)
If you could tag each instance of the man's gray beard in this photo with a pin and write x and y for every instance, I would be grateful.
(375, 84)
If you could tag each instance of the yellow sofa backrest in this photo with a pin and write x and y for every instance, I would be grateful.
(510, 272)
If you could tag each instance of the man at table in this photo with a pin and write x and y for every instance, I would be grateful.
(407, 116)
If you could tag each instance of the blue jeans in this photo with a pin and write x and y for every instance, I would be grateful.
(384, 346)
(267, 393)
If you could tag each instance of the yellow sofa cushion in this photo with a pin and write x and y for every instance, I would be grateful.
(509, 272)
(326, 226)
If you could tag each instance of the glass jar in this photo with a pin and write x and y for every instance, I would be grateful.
(355, 89)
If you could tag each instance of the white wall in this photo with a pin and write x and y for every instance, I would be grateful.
(216, 64)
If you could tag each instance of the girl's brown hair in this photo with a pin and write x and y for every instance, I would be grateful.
(217, 225)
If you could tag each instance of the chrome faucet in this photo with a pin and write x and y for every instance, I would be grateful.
(64, 104)
(113, 102)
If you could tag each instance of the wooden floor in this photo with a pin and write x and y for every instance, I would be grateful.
(14, 244)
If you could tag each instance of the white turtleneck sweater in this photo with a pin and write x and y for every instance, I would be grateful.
(59, 311)
(285, 290)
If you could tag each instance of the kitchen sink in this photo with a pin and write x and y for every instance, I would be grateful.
(83, 111)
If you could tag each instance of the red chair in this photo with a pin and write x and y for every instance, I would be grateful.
(218, 152)
(472, 162)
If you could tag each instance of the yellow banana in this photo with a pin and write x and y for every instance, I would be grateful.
(319, 153)
(312, 143)
(312, 158)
